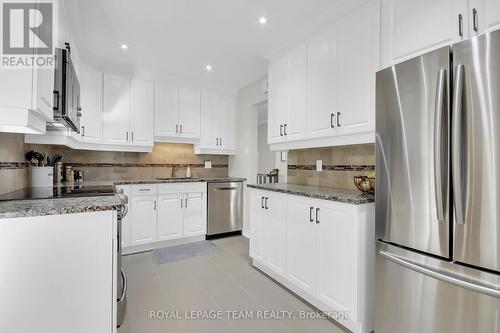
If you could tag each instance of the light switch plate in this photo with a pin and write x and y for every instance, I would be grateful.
(208, 164)
(319, 165)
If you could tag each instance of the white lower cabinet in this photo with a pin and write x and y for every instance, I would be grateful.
(321, 250)
(162, 214)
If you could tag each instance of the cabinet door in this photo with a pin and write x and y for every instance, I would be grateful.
(91, 96)
(277, 100)
(257, 234)
(487, 16)
(141, 112)
(358, 52)
(143, 220)
(126, 220)
(301, 244)
(322, 65)
(228, 123)
(170, 217)
(209, 116)
(115, 113)
(295, 124)
(337, 257)
(275, 232)
(189, 113)
(166, 111)
(194, 215)
(411, 28)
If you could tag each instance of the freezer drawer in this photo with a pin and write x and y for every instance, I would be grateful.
(410, 301)
(225, 207)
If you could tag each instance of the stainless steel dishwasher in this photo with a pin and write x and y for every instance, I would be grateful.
(225, 208)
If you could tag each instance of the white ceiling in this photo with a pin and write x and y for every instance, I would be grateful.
(176, 38)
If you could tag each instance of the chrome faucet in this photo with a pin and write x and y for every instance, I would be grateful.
(174, 170)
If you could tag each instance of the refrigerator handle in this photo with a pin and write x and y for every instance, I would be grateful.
(476, 286)
(457, 172)
(441, 145)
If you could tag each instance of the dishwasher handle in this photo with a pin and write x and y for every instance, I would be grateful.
(234, 188)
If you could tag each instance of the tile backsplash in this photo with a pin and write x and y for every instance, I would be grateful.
(340, 165)
(99, 165)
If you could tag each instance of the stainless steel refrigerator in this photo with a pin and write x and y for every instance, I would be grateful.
(438, 191)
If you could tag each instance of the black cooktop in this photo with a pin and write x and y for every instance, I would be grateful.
(33, 193)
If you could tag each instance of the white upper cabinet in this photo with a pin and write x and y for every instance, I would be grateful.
(91, 100)
(189, 113)
(218, 125)
(141, 112)
(116, 110)
(128, 111)
(322, 83)
(359, 60)
(177, 114)
(484, 16)
(410, 28)
(166, 112)
(287, 104)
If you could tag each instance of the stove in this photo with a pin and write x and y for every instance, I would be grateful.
(34, 193)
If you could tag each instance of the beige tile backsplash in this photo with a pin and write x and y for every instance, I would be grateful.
(14, 174)
(355, 156)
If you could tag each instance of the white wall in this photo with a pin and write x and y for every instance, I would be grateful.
(245, 162)
(267, 158)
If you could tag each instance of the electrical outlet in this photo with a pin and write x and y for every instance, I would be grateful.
(319, 165)
(208, 164)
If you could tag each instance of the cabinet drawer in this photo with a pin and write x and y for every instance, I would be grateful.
(144, 189)
(182, 188)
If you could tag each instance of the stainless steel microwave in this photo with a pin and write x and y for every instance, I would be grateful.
(67, 108)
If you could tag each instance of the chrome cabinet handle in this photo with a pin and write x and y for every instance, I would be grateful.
(83, 130)
(284, 129)
(441, 145)
(144, 189)
(338, 119)
(310, 214)
(176, 128)
(127, 135)
(220, 140)
(132, 136)
(317, 215)
(281, 130)
(180, 129)
(262, 202)
(457, 280)
(475, 20)
(332, 120)
(186, 203)
(155, 204)
(457, 146)
(266, 203)
(182, 203)
(460, 25)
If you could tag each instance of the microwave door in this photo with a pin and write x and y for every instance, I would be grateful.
(412, 147)
(476, 151)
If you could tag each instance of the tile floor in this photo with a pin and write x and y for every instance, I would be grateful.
(222, 281)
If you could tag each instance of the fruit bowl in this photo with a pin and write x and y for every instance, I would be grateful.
(364, 184)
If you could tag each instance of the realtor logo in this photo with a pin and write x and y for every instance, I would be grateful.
(27, 33)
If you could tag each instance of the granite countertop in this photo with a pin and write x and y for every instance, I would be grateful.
(177, 180)
(42, 207)
(325, 193)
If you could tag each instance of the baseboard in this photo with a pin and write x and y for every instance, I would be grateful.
(157, 245)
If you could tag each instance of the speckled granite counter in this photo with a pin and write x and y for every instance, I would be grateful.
(354, 197)
(176, 180)
(41, 207)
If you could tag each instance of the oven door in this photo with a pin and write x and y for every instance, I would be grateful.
(122, 276)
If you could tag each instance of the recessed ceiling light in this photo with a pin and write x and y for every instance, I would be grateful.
(262, 20)
(209, 68)
(124, 46)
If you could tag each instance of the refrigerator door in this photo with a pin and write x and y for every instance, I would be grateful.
(476, 151)
(412, 142)
(417, 293)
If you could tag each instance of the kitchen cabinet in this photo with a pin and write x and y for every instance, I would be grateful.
(484, 16)
(218, 125)
(166, 214)
(116, 110)
(411, 28)
(287, 97)
(143, 213)
(141, 112)
(127, 111)
(170, 216)
(177, 114)
(322, 250)
(91, 99)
